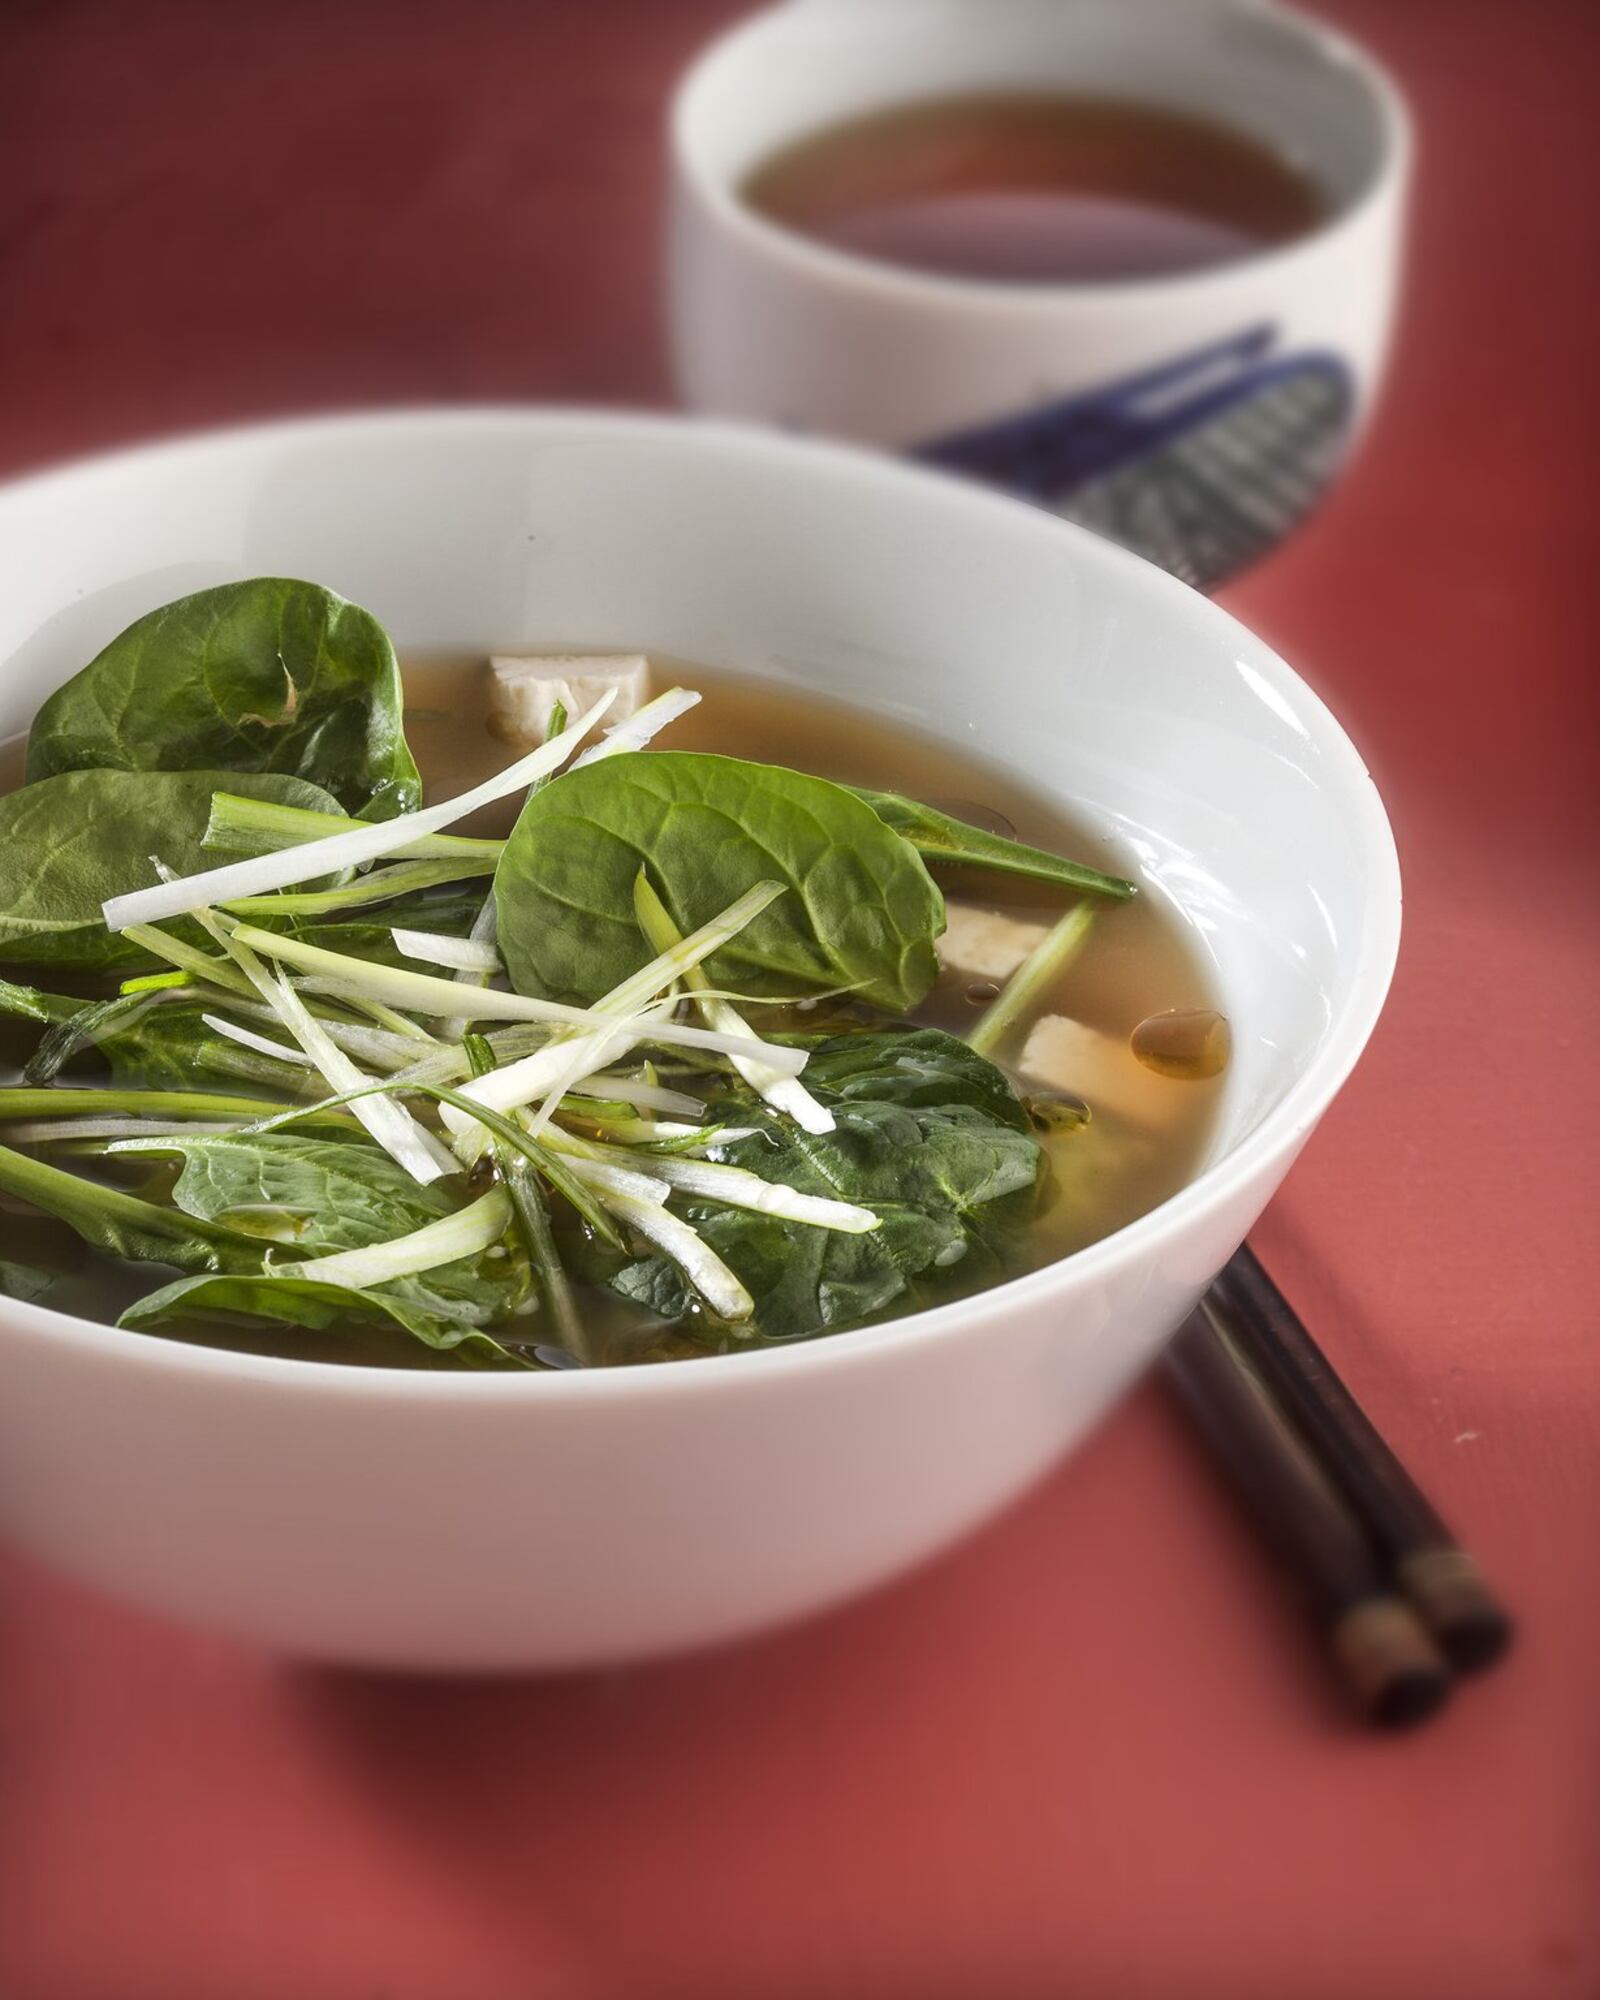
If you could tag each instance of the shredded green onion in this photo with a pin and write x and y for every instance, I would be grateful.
(1049, 958)
(467, 1232)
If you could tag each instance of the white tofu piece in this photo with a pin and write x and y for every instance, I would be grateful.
(523, 691)
(1063, 1054)
(978, 944)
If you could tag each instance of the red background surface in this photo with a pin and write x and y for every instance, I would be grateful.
(1091, 1752)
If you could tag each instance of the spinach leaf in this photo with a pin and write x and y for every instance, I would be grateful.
(861, 910)
(919, 1067)
(939, 838)
(311, 1303)
(164, 1045)
(340, 1195)
(267, 675)
(24, 1281)
(124, 1226)
(929, 1136)
(68, 843)
(331, 1195)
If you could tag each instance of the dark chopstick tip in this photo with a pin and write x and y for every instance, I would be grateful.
(1409, 1699)
(1390, 1664)
(1448, 1588)
(1472, 1645)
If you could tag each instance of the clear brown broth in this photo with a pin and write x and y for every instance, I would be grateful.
(1138, 962)
(1034, 188)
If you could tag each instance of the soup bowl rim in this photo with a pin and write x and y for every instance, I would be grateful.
(1271, 1142)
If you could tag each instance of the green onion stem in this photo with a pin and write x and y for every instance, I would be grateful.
(378, 887)
(1038, 971)
(258, 826)
(63, 1101)
(156, 982)
(533, 1220)
(188, 958)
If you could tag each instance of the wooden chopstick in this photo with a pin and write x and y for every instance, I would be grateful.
(1380, 1647)
(1441, 1579)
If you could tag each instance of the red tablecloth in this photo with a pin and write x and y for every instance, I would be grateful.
(1091, 1752)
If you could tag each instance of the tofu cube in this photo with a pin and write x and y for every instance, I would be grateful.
(978, 944)
(523, 691)
(1063, 1054)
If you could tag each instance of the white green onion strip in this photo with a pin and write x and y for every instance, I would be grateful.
(783, 1091)
(263, 1045)
(736, 1186)
(459, 954)
(551, 1072)
(36, 1131)
(636, 730)
(645, 1096)
(411, 1145)
(390, 1019)
(468, 1232)
(545, 1078)
(664, 1131)
(485, 931)
(740, 1188)
(389, 1052)
(451, 1064)
(389, 1122)
(336, 852)
(424, 993)
(372, 1044)
(607, 1178)
(680, 958)
(699, 1263)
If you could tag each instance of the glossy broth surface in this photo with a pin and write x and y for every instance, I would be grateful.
(1041, 189)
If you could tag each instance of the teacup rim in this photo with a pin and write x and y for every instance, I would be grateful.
(822, 262)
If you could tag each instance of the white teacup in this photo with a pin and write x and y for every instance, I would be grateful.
(1194, 418)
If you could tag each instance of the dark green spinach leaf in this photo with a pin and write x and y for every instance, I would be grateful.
(24, 1281)
(341, 1196)
(929, 1136)
(939, 838)
(267, 675)
(123, 1225)
(69, 843)
(240, 1197)
(311, 1303)
(164, 1045)
(860, 910)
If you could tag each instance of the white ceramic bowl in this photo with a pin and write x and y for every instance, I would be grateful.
(434, 1521)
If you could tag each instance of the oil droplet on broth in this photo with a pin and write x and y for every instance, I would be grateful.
(1056, 1111)
(1188, 1044)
